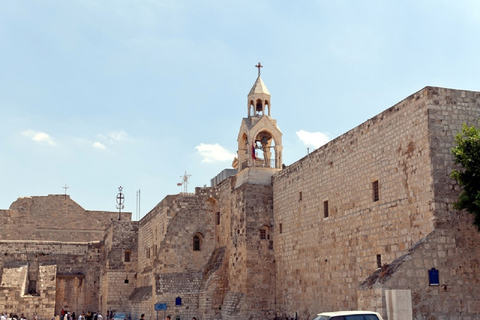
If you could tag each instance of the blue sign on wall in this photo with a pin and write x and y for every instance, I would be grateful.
(178, 301)
(160, 306)
(433, 277)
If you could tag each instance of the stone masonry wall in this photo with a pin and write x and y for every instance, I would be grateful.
(322, 259)
(71, 260)
(249, 272)
(166, 245)
(14, 300)
(152, 230)
(185, 286)
(448, 110)
(453, 252)
(54, 218)
(260, 270)
(452, 248)
(118, 280)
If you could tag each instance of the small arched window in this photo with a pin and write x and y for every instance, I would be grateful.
(197, 242)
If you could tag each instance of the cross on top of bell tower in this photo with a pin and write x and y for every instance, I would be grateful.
(258, 65)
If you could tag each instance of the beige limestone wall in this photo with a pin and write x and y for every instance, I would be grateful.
(15, 277)
(118, 275)
(152, 230)
(453, 252)
(452, 248)
(249, 272)
(13, 298)
(71, 261)
(232, 274)
(185, 286)
(260, 270)
(448, 110)
(54, 218)
(166, 245)
(321, 260)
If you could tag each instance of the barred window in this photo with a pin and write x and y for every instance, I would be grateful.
(263, 234)
(325, 209)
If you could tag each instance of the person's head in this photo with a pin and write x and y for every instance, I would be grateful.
(142, 316)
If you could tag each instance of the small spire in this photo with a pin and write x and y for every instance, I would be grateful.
(258, 65)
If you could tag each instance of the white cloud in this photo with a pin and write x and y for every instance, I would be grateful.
(40, 137)
(117, 136)
(99, 145)
(315, 139)
(214, 153)
(114, 136)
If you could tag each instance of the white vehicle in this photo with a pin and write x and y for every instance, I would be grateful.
(349, 315)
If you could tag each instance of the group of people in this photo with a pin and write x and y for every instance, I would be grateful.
(66, 315)
(14, 316)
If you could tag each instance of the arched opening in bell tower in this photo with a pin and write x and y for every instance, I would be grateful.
(264, 148)
(259, 107)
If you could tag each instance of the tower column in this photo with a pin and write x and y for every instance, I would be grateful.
(278, 156)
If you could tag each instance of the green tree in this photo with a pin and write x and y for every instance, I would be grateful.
(467, 154)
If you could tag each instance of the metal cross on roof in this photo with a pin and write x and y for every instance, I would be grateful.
(65, 190)
(258, 65)
(120, 202)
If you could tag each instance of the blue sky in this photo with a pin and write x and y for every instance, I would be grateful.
(98, 94)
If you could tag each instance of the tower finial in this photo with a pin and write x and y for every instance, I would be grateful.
(258, 65)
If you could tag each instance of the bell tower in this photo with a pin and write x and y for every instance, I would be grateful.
(259, 139)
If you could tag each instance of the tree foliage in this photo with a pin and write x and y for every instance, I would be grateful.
(467, 154)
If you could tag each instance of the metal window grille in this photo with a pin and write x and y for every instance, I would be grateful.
(263, 234)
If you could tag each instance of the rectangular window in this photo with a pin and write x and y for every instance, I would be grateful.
(263, 234)
(155, 250)
(379, 260)
(217, 218)
(127, 256)
(280, 227)
(375, 193)
(325, 209)
(148, 253)
(300, 196)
